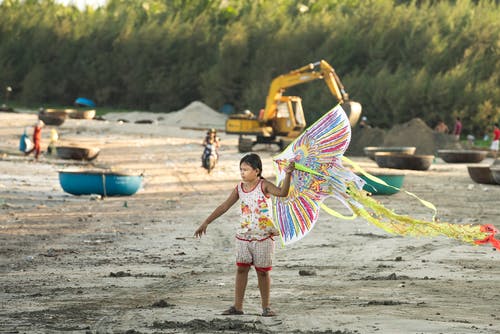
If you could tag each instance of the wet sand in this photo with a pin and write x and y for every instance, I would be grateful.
(130, 264)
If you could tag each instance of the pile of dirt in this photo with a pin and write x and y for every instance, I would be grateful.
(364, 137)
(413, 133)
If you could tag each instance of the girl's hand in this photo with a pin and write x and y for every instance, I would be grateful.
(290, 168)
(274, 232)
(201, 230)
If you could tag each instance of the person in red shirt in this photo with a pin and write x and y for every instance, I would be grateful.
(37, 139)
(457, 129)
(495, 142)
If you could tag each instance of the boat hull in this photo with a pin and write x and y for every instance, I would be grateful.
(77, 153)
(53, 116)
(394, 180)
(481, 174)
(403, 161)
(102, 183)
(462, 156)
(370, 151)
(82, 114)
(495, 172)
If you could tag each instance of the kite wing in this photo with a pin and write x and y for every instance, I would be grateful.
(317, 154)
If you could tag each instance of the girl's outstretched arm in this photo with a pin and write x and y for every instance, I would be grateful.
(219, 211)
(282, 191)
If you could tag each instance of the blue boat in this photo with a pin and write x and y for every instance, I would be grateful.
(100, 182)
(84, 102)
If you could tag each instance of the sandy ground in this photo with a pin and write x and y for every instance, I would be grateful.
(130, 265)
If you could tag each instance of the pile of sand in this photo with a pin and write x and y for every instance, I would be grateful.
(195, 115)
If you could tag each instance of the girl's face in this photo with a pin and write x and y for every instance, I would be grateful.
(248, 174)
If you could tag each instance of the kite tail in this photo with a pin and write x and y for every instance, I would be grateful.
(491, 230)
(394, 223)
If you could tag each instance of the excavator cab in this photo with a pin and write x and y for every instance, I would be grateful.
(289, 116)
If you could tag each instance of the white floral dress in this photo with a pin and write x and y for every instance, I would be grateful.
(256, 214)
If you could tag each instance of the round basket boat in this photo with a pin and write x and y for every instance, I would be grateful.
(82, 114)
(371, 150)
(394, 182)
(100, 182)
(77, 153)
(481, 174)
(403, 161)
(6, 108)
(462, 156)
(53, 116)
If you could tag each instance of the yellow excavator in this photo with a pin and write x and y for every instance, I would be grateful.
(283, 119)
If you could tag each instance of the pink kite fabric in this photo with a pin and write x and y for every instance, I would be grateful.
(318, 155)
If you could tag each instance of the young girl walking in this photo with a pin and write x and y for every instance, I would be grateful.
(254, 237)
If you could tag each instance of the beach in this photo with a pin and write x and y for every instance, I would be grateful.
(130, 264)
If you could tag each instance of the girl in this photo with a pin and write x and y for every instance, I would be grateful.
(254, 238)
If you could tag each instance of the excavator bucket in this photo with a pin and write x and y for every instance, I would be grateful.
(353, 111)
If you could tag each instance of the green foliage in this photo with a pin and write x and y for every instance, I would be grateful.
(433, 59)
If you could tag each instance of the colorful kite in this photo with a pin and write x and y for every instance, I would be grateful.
(318, 156)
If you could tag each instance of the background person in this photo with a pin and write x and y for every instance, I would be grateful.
(211, 143)
(211, 138)
(457, 128)
(441, 127)
(54, 137)
(495, 141)
(470, 140)
(37, 139)
(364, 123)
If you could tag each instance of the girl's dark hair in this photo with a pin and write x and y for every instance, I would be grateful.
(253, 160)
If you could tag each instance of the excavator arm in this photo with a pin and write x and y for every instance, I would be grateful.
(310, 72)
(283, 119)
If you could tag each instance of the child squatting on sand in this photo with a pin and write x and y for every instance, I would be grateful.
(254, 237)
